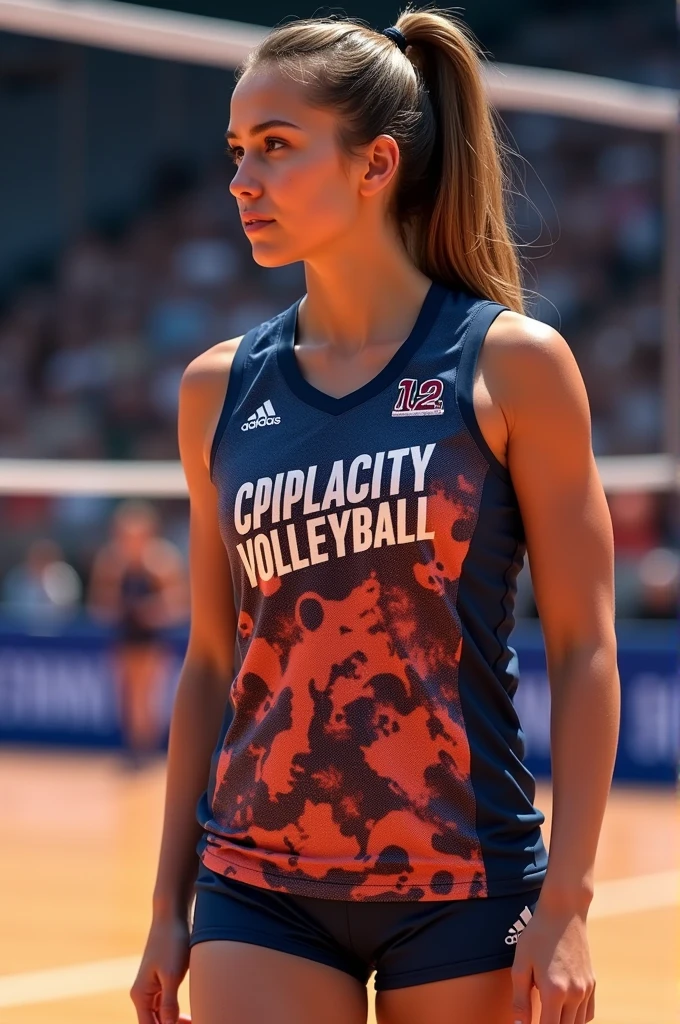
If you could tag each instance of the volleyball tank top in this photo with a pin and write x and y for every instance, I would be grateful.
(370, 749)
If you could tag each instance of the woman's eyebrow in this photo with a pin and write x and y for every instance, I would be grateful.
(258, 128)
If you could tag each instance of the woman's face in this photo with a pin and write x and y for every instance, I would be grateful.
(294, 174)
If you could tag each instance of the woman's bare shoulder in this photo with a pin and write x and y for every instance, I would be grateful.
(202, 392)
(521, 355)
(211, 368)
(516, 330)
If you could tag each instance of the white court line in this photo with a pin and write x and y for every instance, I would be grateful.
(643, 892)
(613, 897)
(64, 982)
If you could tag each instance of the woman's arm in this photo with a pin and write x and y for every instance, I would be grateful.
(201, 697)
(536, 381)
(571, 549)
(206, 675)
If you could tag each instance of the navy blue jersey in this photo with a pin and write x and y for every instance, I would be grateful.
(371, 749)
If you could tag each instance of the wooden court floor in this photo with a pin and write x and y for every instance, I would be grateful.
(79, 841)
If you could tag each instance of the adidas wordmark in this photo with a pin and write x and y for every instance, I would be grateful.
(265, 416)
(518, 927)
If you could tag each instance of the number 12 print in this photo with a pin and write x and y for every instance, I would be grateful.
(425, 400)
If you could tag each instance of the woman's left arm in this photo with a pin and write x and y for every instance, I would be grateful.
(571, 552)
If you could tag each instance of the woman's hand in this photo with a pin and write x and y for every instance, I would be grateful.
(552, 953)
(165, 962)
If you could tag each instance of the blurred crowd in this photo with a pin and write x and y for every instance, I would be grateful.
(90, 363)
(591, 230)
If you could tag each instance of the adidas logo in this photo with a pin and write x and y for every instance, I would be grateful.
(518, 927)
(263, 417)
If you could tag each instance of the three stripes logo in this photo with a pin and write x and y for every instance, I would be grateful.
(265, 416)
(518, 927)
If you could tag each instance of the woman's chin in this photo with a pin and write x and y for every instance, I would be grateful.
(272, 258)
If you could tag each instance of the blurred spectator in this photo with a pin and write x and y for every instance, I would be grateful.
(43, 592)
(138, 587)
(636, 527)
(635, 522)
(659, 572)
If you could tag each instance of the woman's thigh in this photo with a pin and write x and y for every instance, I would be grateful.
(232, 982)
(473, 999)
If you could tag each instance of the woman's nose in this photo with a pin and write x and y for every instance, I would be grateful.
(243, 183)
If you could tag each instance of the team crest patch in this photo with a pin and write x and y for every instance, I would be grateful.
(419, 400)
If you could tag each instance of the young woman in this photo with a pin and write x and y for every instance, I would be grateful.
(365, 477)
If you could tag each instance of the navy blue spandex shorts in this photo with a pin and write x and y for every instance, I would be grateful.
(404, 943)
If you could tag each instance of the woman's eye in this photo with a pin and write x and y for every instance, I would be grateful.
(232, 152)
(235, 153)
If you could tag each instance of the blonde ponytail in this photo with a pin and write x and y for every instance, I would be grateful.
(467, 231)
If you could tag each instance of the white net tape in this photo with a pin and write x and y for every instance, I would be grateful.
(165, 479)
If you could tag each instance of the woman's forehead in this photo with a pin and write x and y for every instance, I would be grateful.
(265, 94)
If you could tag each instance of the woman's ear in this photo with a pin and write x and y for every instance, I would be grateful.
(382, 161)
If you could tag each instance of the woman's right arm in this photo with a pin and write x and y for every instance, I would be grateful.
(201, 695)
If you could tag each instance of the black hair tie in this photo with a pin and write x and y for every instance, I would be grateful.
(396, 36)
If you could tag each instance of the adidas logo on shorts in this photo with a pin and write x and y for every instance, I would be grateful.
(518, 927)
(265, 416)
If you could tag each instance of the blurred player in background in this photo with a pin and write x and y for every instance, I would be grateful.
(138, 586)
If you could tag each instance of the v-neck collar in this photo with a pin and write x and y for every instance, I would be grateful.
(305, 391)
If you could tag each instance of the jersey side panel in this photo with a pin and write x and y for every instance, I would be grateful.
(508, 823)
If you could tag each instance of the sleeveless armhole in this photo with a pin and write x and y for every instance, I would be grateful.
(232, 393)
(482, 318)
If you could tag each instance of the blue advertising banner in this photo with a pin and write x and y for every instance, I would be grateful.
(649, 669)
(60, 690)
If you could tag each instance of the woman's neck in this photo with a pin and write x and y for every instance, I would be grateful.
(355, 301)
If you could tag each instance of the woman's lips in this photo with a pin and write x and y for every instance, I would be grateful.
(257, 225)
